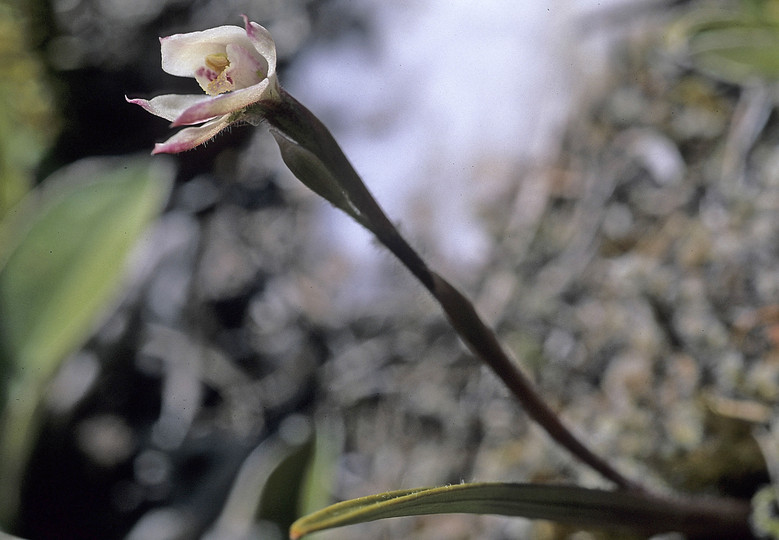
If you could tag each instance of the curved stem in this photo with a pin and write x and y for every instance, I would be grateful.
(710, 518)
(301, 126)
(295, 121)
(484, 344)
(291, 118)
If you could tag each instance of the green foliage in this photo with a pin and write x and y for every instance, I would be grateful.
(281, 479)
(316, 489)
(64, 251)
(765, 517)
(587, 508)
(739, 45)
(62, 255)
(315, 174)
(27, 119)
(282, 491)
(299, 481)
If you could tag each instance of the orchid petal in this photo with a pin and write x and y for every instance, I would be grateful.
(223, 104)
(168, 106)
(183, 54)
(263, 44)
(188, 138)
(245, 70)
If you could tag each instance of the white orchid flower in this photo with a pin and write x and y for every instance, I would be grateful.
(236, 67)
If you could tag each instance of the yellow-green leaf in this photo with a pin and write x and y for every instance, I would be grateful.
(588, 508)
(734, 46)
(62, 255)
(63, 252)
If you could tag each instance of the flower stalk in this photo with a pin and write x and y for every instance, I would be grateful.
(301, 135)
(298, 125)
(296, 128)
(236, 68)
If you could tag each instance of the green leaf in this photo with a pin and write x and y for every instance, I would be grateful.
(239, 512)
(738, 54)
(314, 173)
(64, 251)
(28, 121)
(735, 46)
(765, 518)
(588, 508)
(282, 490)
(284, 473)
(62, 256)
(317, 487)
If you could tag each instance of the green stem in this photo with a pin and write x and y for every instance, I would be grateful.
(296, 122)
(484, 344)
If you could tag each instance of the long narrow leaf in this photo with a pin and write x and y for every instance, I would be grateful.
(62, 259)
(62, 256)
(588, 508)
(734, 46)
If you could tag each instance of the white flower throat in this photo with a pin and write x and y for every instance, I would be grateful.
(222, 83)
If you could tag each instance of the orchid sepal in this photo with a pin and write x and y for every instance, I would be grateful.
(190, 137)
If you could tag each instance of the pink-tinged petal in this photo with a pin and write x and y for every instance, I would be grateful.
(168, 106)
(204, 75)
(263, 43)
(188, 138)
(244, 70)
(224, 104)
(183, 54)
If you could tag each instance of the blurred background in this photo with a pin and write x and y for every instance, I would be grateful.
(600, 177)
